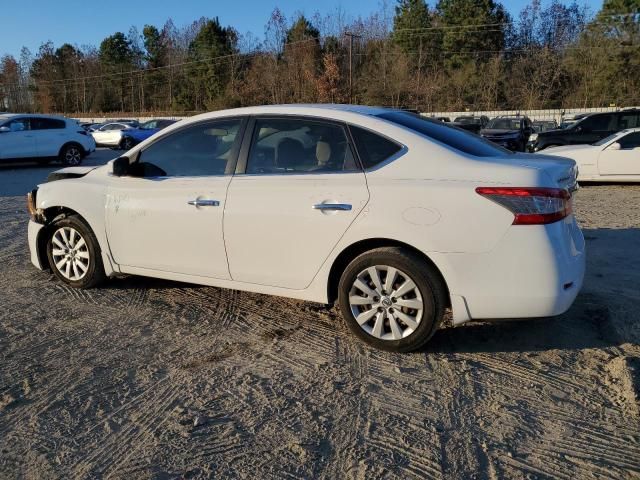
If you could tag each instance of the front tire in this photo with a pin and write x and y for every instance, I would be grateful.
(74, 253)
(71, 155)
(126, 143)
(391, 299)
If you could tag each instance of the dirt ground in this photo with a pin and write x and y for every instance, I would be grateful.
(151, 379)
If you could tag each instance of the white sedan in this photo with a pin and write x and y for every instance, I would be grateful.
(615, 158)
(394, 216)
(110, 134)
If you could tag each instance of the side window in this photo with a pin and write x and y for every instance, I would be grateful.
(204, 149)
(372, 148)
(299, 146)
(630, 141)
(47, 124)
(597, 123)
(629, 120)
(18, 125)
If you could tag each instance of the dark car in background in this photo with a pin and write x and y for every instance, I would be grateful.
(589, 129)
(134, 136)
(544, 125)
(471, 123)
(511, 132)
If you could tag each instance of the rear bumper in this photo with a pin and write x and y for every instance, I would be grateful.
(535, 271)
(32, 232)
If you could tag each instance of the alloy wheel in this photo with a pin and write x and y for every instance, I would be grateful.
(70, 253)
(72, 156)
(386, 302)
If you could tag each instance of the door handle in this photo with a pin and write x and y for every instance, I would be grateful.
(204, 203)
(332, 206)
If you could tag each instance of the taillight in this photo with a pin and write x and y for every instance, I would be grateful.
(531, 206)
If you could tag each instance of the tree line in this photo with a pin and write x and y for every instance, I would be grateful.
(460, 54)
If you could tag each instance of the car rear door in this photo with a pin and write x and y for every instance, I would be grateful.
(625, 161)
(297, 190)
(50, 134)
(594, 128)
(18, 142)
(167, 214)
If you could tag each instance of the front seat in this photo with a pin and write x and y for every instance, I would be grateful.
(289, 154)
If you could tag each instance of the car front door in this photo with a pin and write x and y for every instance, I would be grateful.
(17, 140)
(297, 191)
(166, 214)
(594, 128)
(622, 161)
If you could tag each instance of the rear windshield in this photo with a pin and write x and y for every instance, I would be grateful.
(454, 137)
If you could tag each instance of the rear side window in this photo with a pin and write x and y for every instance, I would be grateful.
(372, 148)
(456, 138)
(47, 124)
(629, 120)
(597, 123)
(298, 146)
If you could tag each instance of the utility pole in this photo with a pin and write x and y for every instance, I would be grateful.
(351, 35)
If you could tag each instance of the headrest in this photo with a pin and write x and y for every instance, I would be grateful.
(323, 152)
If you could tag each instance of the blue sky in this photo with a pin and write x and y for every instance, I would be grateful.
(32, 22)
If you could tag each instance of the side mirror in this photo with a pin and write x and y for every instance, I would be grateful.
(121, 166)
(615, 146)
(578, 129)
(4, 129)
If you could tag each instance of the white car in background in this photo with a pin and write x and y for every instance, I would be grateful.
(615, 158)
(110, 134)
(394, 216)
(43, 138)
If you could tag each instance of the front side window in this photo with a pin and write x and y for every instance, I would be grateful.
(200, 150)
(453, 137)
(630, 141)
(18, 125)
(283, 146)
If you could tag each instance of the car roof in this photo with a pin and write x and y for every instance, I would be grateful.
(335, 111)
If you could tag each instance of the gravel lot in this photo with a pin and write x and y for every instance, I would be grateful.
(152, 379)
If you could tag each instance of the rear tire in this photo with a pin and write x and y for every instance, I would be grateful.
(71, 155)
(74, 253)
(392, 299)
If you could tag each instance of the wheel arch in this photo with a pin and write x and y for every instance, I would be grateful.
(352, 251)
(50, 215)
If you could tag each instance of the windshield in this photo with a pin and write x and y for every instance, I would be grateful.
(454, 137)
(607, 139)
(504, 124)
(149, 125)
(467, 120)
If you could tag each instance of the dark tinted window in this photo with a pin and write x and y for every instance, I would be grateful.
(373, 148)
(597, 123)
(454, 137)
(299, 146)
(205, 149)
(630, 141)
(47, 124)
(628, 120)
